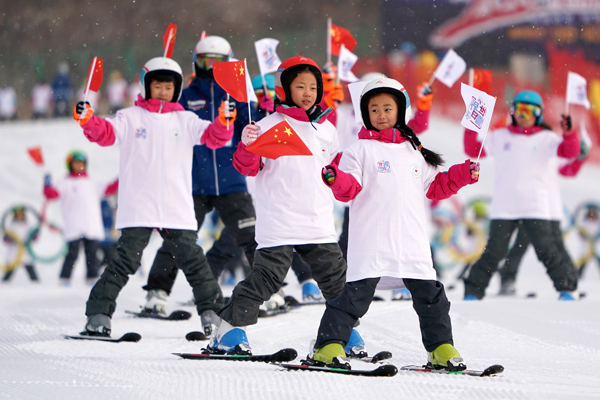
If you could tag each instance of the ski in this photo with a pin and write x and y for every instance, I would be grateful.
(178, 315)
(196, 336)
(377, 358)
(492, 370)
(383, 370)
(283, 355)
(128, 337)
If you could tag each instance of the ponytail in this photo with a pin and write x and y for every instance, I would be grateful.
(431, 157)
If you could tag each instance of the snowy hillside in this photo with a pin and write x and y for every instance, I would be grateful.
(549, 348)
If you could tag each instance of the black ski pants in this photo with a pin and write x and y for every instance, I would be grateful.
(91, 258)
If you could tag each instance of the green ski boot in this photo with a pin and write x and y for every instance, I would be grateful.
(447, 357)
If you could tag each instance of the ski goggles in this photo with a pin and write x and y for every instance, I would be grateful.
(206, 61)
(525, 110)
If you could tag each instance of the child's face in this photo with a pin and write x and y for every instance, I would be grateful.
(383, 111)
(303, 90)
(78, 166)
(162, 90)
(525, 114)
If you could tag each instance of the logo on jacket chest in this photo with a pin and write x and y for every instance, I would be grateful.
(195, 105)
(384, 167)
(140, 133)
(415, 170)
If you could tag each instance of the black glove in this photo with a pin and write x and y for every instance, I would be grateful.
(81, 107)
(566, 123)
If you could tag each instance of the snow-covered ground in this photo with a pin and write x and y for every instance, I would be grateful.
(549, 348)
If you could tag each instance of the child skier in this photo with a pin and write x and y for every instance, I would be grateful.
(527, 201)
(388, 246)
(157, 137)
(17, 232)
(294, 210)
(80, 198)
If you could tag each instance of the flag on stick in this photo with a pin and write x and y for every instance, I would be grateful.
(346, 61)
(480, 107)
(280, 140)
(94, 75)
(340, 36)
(481, 79)
(169, 40)
(450, 69)
(577, 90)
(36, 154)
(268, 60)
(233, 77)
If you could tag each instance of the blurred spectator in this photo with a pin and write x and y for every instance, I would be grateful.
(62, 90)
(41, 99)
(134, 89)
(8, 103)
(116, 91)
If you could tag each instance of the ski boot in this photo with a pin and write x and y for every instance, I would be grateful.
(568, 296)
(507, 288)
(97, 325)
(230, 339)
(210, 322)
(355, 348)
(311, 292)
(276, 302)
(446, 357)
(401, 294)
(156, 302)
(331, 355)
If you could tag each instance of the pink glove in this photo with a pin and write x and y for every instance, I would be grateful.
(267, 104)
(249, 134)
(474, 172)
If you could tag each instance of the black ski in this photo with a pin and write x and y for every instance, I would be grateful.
(178, 315)
(383, 370)
(382, 355)
(492, 370)
(196, 336)
(128, 337)
(283, 355)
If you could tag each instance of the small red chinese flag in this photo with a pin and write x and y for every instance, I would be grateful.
(36, 154)
(482, 80)
(231, 76)
(341, 36)
(169, 40)
(95, 75)
(280, 140)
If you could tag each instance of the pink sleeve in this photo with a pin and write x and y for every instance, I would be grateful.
(569, 148)
(345, 187)
(448, 183)
(472, 145)
(246, 162)
(420, 122)
(111, 189)
(99, 130)
(217, 135)
(51, 193)
(571, 169)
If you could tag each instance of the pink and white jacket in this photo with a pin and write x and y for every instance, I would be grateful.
(156, 140)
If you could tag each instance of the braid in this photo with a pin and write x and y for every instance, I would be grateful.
(432, 158)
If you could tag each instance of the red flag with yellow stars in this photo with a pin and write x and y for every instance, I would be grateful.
(341, 36)
(482, 80)
(231, 76)
(280, 140)
(169, 40)
(95, 75)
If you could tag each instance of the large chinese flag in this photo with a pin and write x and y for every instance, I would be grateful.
(95, 75)
(280, 140)
(341, 36)
(231, 76)
(169, 40)
(482, 80)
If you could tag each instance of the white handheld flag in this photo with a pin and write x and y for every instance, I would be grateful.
(268, 60)
(480, 107)
(249, 89)
(450, 69)
(577, 90)
(346, 61)
(355, 90)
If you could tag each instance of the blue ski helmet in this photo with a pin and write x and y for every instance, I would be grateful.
(530, 97)
(257, 83)
(75, 155)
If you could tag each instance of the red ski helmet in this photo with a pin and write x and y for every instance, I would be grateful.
(288, 70)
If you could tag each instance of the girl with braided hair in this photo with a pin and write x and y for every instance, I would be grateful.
(387, 174)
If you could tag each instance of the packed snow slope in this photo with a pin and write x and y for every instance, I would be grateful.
(549, 348)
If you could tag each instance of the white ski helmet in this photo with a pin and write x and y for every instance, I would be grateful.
(161, 65)
(214, 46)
(384, 85)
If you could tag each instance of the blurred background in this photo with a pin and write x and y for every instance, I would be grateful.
(526, 44)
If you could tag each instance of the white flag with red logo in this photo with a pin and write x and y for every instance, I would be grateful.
(577, 90)
(450, 69)
(346, 61)
(480, 107)
(268, 60)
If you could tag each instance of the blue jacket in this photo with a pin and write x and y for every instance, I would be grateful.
(213, 173)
